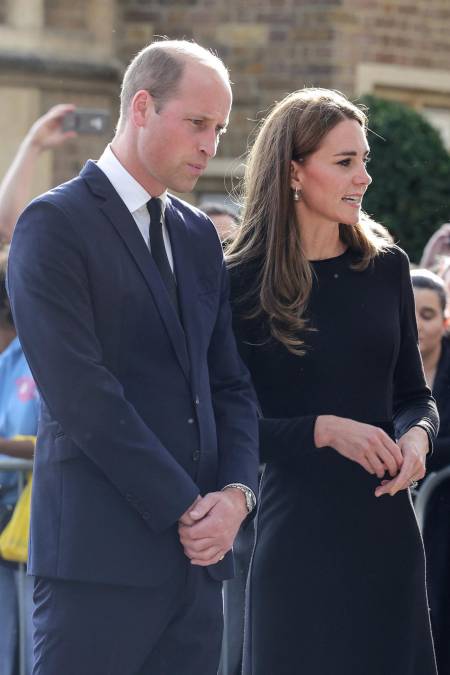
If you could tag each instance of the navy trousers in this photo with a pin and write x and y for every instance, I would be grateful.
(95, 629)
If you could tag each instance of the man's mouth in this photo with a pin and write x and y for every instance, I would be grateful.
(197, 168)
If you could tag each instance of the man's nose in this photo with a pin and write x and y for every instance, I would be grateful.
(209, 143)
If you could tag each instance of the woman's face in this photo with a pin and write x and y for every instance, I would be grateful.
(333, 179)
(430, 319)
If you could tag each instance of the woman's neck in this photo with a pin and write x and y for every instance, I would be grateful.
(430, 364)
(321, 242)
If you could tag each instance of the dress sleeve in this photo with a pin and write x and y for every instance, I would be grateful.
(280, 439)
(413, 403)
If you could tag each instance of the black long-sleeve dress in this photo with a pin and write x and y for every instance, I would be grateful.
(337, 582)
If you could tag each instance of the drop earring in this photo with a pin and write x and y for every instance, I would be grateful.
(296, 195)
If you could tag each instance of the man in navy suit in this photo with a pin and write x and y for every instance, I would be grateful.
(146, 460)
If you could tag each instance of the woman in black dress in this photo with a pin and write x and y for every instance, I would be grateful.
(434, 344)
(324, 316)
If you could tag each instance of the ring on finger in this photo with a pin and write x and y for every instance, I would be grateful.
(413, 483)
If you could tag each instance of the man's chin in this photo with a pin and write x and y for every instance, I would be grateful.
(184, 186)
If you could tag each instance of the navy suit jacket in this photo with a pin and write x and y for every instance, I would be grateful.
(140, 414)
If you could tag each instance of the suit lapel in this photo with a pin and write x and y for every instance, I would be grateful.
(117, 213)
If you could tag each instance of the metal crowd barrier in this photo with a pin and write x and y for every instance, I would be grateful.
(429, 485)
(22, 466)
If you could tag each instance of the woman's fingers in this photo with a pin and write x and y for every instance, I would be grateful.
(411, 470)
(384, 455)
(378, 466)
(366, 465)
(389, 458)
(368, 445)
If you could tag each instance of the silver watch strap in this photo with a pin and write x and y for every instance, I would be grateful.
(250, 498)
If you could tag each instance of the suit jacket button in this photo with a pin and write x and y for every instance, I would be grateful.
(191, 420)
(146, 515)
(197, 400)
(196, 455)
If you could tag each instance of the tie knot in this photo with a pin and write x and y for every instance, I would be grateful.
(154, 209)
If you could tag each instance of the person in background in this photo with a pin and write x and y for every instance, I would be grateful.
(434, 343)
(45, 134)
(324, 316)
(443, 271)
(19, 409)
(223, 218)
(437, 246)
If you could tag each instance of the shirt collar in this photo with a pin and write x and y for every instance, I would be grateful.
(129, 190)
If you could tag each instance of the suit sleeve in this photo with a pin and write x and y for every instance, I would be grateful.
(48, 282)
(234, 401)
(413, 403)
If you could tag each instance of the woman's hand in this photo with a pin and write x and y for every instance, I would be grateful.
(414, 447)
(364, 444)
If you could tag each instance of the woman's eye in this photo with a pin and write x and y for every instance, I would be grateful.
(345, 162)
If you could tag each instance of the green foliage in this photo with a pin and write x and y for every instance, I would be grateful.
(410, 167)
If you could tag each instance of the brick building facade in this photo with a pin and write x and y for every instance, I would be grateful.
(75, 50)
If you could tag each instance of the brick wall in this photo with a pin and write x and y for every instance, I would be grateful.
(270, 46)
(274, 46)
(65, 14)
(412, 33)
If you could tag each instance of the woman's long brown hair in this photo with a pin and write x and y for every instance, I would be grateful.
(269, 236)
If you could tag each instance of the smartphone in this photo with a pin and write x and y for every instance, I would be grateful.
(86, 121)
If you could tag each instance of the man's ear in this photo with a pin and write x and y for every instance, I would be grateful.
(141, 105)
(296, 175)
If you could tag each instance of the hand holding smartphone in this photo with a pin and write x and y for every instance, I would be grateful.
(86, 121)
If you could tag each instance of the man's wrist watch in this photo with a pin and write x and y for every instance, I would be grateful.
(250, 499)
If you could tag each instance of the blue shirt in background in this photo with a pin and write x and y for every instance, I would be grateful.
(19, 407)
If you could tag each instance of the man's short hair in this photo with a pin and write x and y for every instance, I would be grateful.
(158, 69)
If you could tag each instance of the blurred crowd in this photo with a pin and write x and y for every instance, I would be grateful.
(19, 408)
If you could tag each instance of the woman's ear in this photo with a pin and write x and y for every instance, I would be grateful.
(296, 175)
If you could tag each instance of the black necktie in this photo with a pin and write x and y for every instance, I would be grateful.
(158, 250)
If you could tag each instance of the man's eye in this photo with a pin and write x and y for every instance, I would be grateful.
(196, 122)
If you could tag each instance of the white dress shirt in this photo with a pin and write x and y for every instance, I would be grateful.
(134, 196)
